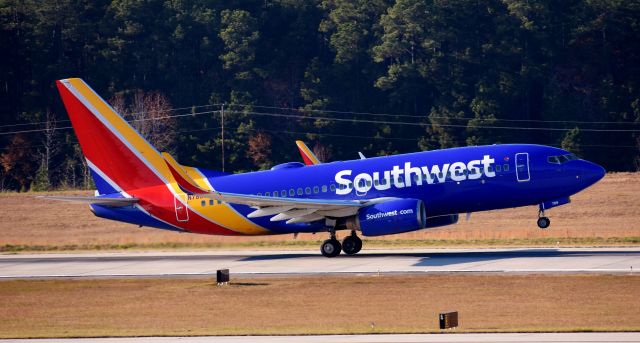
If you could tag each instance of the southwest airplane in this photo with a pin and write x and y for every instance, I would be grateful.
(376, 196)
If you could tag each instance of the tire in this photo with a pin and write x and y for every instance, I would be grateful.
(351, 245)
(543, 222)
(330, 248)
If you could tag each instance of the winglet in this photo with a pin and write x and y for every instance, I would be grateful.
(184, 181)
(307, 155)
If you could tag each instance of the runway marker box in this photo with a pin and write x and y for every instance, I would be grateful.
(448, 320)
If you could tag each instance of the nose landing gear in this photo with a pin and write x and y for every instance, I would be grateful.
(543, 222)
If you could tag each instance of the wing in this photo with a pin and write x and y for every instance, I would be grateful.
(110, 202)
(294, 210)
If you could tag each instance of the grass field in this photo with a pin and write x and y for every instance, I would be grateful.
(314, 305)
(605, 214)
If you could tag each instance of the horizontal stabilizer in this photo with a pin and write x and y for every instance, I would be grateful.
(109, 202)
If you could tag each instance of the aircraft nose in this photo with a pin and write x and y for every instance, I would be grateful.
(592, 173)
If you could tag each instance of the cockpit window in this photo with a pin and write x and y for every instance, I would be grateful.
(560, 159)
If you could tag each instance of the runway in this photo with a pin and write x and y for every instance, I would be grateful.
(590, 337)
(247, 263)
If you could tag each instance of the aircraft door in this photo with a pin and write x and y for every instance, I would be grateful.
(522, 167)
(182, 211)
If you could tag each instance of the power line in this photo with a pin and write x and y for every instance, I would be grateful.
(300, 110)
(433, 124)
(352, 120)
(442, 117)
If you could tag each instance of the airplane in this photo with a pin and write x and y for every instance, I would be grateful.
(137, 184)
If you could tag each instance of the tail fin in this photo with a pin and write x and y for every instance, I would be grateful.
(119, 157)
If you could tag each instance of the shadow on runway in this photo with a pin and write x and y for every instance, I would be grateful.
(439, 259)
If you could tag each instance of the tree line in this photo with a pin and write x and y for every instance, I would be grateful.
(378, 76)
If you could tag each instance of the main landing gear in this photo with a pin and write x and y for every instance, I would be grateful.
(543, 222)
(350, 245)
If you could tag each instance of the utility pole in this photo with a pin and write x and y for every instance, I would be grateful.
(222, 127)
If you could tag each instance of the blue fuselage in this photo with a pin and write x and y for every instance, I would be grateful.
(521, 175)
(448, 181)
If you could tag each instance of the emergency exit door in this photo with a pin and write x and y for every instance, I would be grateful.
(182, 211)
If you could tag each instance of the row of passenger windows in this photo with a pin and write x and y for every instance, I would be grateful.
(292, 192)
(317, 189)
(211, 202)
(560, 159)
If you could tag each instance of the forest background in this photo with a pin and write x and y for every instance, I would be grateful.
(381, 77)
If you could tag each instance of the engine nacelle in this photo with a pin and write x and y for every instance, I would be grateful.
(441, 220)
(389, 217)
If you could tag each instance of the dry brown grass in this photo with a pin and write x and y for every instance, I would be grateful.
(314, 305)
(607, 210)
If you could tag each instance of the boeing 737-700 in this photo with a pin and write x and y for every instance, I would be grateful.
(374, 196)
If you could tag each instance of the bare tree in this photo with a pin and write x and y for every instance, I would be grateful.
(322, 152)
(259, 149)
(42, 181)
(149, 113)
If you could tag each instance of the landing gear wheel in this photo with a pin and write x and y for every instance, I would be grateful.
(351, 245)
(543, 222)
(330, 248)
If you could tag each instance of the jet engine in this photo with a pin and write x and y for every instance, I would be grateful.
(389, 217)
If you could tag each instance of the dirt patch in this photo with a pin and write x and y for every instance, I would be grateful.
(607, 210)
(318, 305)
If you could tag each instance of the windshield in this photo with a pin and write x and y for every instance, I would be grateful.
(560, 159)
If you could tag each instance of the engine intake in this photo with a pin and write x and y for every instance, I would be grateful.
(390, 217)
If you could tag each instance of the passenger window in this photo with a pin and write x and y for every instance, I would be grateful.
(324, 188)
(498, 168)
(307, 190)
(376, 182)
(219, 202)
(283, 193)
(506, 167)
(300, 191)
(416, 177)
(267, 194)
(211, 202)
(368, 183)
(292, 192)
(275, 193)
(203, 203)
(316, 190)
(490, 169)
(333, 187)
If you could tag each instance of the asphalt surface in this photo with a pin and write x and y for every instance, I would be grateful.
(444, 338)
(184, 264)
